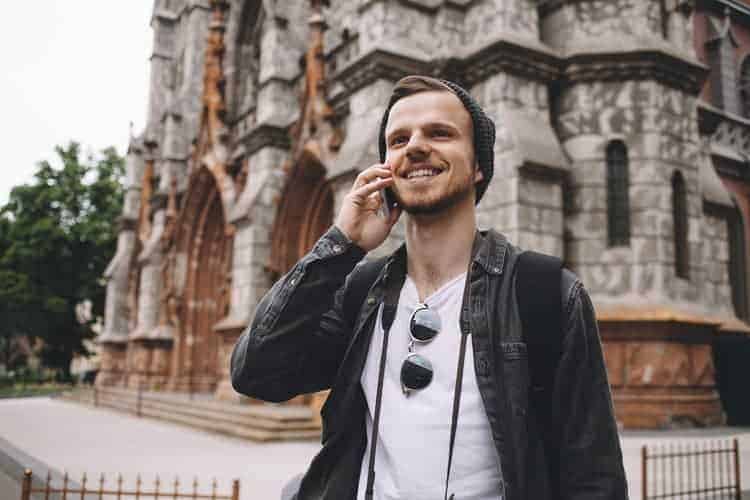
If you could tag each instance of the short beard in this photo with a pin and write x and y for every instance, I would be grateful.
(436, 206)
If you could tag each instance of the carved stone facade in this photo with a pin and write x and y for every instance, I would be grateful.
(262, 112)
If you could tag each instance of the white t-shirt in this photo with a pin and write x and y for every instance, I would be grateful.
(414, 434)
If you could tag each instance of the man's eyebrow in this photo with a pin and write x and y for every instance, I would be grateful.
(432, 124)
(439, 123)
(399, 130)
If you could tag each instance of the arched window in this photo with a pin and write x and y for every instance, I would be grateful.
(680, 218)
(738, 265)
(745, 86)
(247, 59)
(618, 202)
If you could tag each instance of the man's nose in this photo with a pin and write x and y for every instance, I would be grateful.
(417, 147)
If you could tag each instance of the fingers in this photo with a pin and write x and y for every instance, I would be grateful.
(373, 187)
(371, 180)
(372, 173)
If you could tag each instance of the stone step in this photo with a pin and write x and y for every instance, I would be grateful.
(270, 411)
(244, 431)
(256, 422)
(261, 421)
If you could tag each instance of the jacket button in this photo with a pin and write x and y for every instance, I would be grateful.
(370, 300)
(483, 366)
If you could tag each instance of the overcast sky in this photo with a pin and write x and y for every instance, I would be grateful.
(72, 70)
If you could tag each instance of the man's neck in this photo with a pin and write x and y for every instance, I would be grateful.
(438, 248)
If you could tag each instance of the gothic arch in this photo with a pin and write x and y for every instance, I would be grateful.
(200, 266)
(244, 27)
(306, 211)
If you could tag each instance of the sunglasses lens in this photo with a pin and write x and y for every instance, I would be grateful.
(416, 372)
(425, 324)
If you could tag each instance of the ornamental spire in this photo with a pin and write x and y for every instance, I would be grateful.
(314, 132)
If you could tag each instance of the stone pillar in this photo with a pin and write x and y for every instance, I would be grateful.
(228, 335)
(148, 305)
(113, 364)
(139, 363)
(114, 338)
(158, 373)
(524, 200)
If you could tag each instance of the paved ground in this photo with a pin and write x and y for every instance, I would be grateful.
(43, 432)
(77, 439)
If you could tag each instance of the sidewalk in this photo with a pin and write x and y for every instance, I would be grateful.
(79, 439)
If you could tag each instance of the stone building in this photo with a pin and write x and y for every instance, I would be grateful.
(621, 147)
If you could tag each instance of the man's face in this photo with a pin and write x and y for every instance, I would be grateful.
(430, 149)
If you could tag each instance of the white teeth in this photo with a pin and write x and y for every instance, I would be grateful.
(422, 172)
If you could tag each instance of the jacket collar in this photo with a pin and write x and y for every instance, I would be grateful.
(489, 255)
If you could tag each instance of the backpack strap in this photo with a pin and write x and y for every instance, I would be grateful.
(361, 280)
(539, 296)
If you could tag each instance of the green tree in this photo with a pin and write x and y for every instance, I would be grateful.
(57, 235)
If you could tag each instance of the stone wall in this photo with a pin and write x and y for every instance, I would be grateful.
(716, 292)
(593, 25)
(658, 126)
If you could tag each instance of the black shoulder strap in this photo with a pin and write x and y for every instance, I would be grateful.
(539, 295)
(360, 281)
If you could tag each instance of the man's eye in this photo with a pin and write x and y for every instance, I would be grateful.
(440, 133)
(399, 139)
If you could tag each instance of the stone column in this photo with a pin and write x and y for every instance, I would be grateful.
(148, 305)
(252, 218)
(524, 200)
(114, 338)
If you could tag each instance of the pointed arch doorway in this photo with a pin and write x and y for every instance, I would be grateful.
(207, 245)
(305, 213)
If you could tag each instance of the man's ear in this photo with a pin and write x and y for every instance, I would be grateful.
(478, 175)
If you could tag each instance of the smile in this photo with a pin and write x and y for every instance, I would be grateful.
(423, 172)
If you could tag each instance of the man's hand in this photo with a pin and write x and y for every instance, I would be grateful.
(358, 218)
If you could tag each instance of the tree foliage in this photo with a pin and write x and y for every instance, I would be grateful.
(57, 235)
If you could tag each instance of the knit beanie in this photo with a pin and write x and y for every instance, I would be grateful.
(484, 134)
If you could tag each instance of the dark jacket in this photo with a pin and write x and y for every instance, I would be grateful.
(301, 340)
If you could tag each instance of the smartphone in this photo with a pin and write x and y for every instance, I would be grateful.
(389, 201)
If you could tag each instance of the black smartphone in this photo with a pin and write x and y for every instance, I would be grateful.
(389, 201)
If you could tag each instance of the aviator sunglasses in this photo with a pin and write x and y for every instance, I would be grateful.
(416, 370)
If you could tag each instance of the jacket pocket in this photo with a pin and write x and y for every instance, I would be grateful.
(515, 371)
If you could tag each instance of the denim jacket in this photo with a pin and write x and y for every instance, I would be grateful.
(301, 341)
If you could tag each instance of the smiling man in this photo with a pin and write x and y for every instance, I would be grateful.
(391, 337)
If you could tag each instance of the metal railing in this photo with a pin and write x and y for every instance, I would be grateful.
(119, 399)
(707, 469)
(101, 490)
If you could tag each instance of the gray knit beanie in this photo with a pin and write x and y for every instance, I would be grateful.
(484, 134)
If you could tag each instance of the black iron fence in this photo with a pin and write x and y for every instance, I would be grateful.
(101, 489)
(708, 469)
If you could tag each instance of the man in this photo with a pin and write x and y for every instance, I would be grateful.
(413, 424)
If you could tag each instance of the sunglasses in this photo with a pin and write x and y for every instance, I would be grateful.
(416, 370)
